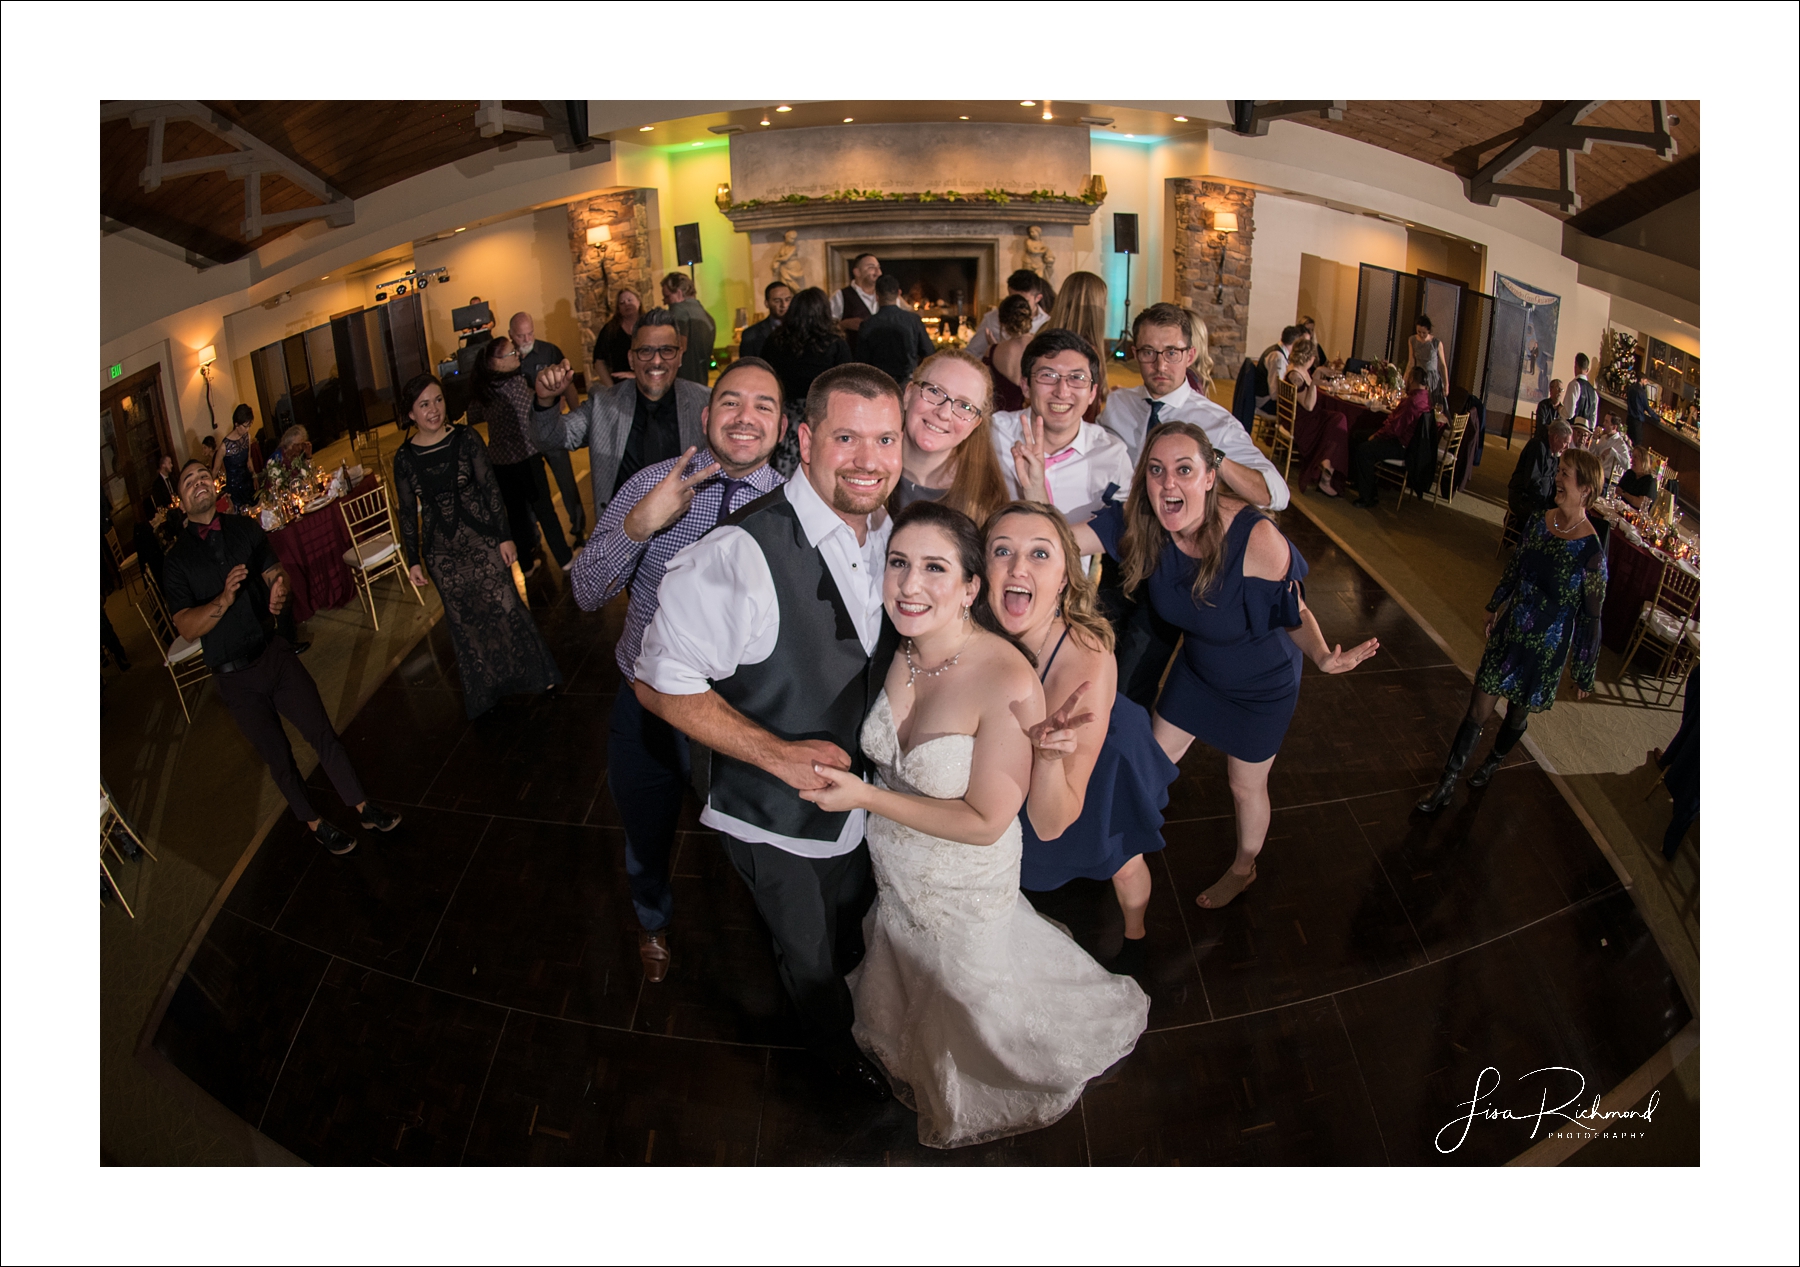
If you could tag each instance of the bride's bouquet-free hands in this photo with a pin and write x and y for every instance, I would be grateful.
(843, 791)
(1054, 738)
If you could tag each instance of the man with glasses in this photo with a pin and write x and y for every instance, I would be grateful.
(1047, 453)
(1163, 335)
(649, 418)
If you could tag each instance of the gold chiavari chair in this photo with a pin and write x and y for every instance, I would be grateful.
(1666, 623)
(374, 545)
(1445, 474)
(111, 822)
(1281, 441)
(182, 657)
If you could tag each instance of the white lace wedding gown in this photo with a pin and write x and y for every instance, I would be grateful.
(988, 1018)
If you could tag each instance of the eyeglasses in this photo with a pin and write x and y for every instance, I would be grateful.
(1166, 355)
(937, 398)
(1050, 378)
(662, 352)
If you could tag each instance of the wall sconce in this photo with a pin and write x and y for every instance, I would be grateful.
(208, 355)
(599, 235)
(1224, 223)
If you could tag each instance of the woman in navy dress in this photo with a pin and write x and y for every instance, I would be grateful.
(1222, 572)
(1097, 793)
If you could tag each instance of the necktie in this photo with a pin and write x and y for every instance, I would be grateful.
(727, 498)
(1155, 416)
(1052, 462)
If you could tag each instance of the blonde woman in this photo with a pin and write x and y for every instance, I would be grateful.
(1097, 790)
(1220, 571)
(946, 446)
(1081, 307)
(1199, 373)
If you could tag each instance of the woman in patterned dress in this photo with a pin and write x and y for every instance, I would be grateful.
(453, 523)
(1544, 613)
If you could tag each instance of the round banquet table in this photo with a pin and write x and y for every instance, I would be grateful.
(1364, 419)
(1632, 575)
(311, 549)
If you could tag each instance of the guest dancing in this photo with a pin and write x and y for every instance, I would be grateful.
(1097, 796)
(1221, 572)
(1321, 436)
(657, 513)
(241, 460)
(501, 396)
(453, 523)
(1545, 613)
(945, 453)
(988, 1018)
(226, 588)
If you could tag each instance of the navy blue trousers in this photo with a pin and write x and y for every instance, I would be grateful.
(647, 769)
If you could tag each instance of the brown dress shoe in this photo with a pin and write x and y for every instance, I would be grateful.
(653, 949)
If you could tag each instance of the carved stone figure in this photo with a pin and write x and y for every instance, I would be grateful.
(787, 268)
(1039, 258)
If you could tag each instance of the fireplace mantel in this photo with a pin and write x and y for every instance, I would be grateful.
(909, 212)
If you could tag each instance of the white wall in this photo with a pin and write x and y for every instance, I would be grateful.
(1286, 229)
(1647, 321)
(520, 264)
(1125, 166)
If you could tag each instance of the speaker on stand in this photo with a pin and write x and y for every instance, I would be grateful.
(687, 250)
(1125, 242)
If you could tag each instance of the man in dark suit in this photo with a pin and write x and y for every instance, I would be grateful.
(894, 339)
(755, 337)
(1532, 490)
(1546, 409)
(1637, 406)
(649, 418)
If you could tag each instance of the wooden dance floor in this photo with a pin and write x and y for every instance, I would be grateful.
(467, 990)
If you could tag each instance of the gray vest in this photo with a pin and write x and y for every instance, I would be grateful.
(816, 684)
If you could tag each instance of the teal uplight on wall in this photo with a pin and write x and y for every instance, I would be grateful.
(1126, 138)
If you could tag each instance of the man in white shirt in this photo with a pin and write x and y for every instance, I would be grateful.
(1580, 401)
(1022, 282)
(1275, 363)
(768, 647)
(1047, 453)
(1163, 335)
(865, 271)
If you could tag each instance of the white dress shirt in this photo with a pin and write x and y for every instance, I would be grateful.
(719, 609)
(1096, 459)
(1127, 415)
(988, 333)
(1565, 412)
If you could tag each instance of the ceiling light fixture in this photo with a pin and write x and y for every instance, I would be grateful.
(782, 109)
(696, 143)
(647, 128)
(1028, 103)
(963, 117)
(1048, 115)
(765, 121)
(850, 120)
(463, 229)
(1181, 118)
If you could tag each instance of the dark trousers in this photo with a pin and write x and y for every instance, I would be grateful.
(564, 471)
(814, 909)
(1365, 457)
(109, 639)
(1143, 642)
(525, 490)
(647, 769)
(278, 686)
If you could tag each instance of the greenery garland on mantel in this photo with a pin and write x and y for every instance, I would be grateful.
(995, 197)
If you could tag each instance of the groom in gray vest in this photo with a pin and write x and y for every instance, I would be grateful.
(768, 647)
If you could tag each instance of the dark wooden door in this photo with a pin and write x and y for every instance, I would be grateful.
(134, 435)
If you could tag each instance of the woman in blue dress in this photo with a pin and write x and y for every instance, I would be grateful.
(1097, 793)
(1545, 612)
(240, 461)
(1220, 571)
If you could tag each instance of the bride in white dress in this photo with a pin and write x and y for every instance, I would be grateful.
(988, 1018)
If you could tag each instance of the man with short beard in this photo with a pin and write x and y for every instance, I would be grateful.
(769, 646)
(657, 513)
(534, 355)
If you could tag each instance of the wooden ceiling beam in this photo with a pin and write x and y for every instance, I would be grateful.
(1563, 132)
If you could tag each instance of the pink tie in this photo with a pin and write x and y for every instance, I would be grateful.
(1056, 459)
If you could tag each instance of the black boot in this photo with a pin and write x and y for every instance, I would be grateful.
(1503, 744)
(1460, 748)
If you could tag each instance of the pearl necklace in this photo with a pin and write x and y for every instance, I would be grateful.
(914, 672)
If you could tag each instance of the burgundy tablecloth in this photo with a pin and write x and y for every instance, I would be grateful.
(311, 548)
(1632, 575)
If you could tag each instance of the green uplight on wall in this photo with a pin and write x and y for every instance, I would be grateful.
(693, 147)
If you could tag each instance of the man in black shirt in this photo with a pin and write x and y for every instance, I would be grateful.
(534, 355)
(894, 339)
(1547, 409)
(1532, 489)
(777, 296)
(224, 588)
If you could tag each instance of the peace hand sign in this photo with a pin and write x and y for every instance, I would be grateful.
(668, 499)
(1028, 459)
(1054, 738)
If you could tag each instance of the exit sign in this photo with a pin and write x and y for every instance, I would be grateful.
(115, 371)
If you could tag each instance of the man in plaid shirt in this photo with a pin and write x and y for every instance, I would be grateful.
(657, 513)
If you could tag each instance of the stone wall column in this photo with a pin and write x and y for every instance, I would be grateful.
(602, 271)
(1198, 272)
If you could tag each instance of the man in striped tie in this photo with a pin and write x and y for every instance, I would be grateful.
(658, 512)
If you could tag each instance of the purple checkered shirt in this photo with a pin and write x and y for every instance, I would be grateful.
(613, 561)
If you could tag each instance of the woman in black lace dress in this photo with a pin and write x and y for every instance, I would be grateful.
(453, 523)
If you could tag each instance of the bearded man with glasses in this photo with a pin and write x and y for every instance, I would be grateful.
(651, 417)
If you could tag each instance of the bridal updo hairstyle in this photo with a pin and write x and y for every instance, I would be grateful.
(971, 551)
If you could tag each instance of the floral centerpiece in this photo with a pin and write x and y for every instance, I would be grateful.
(287, 486)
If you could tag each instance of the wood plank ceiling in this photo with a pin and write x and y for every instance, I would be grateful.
(1617, 184)
(358, 147)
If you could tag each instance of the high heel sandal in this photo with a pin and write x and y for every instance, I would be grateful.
(1225, 889)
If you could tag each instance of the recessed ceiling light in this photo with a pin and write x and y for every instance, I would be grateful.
(782, 109)
(765, 122)
(1131, 134)
(464, 229)
(1028, 103)
(1048, 115)
(326, 278)
(647, 128)
(699, 142)
(963, 117)
(1181, 118)
(852, 120)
